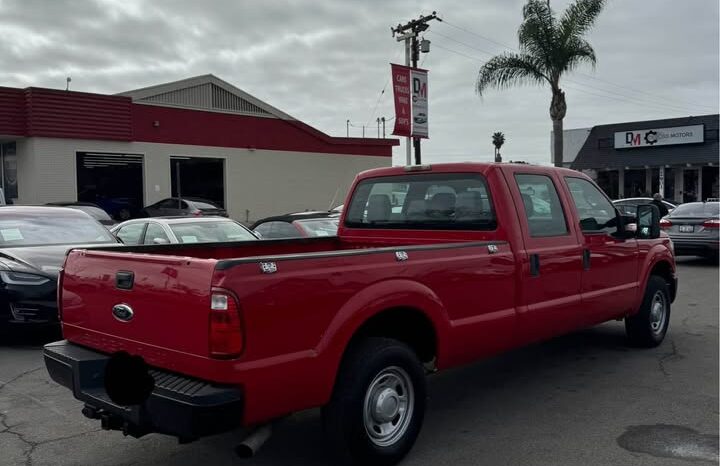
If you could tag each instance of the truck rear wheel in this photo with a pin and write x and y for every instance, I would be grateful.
(648, 327)
(378, 404)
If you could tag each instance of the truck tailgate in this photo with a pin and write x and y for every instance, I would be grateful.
(166, 299)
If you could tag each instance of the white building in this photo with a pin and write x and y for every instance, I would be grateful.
(199, 137)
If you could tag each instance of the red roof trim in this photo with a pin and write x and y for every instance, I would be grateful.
(38, 112)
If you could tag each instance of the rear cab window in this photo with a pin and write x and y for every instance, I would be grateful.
(432, 201)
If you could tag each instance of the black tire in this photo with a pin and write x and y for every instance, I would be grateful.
(646, 328)
(363, 370)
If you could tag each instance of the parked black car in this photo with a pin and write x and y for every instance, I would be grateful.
(298, 225)
(33, 244)
(184, 207)
(94, 210)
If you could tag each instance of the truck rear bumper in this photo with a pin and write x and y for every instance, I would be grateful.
(180, 406)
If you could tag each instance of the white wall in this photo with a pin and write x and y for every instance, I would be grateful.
(573, 141)
(258, 183)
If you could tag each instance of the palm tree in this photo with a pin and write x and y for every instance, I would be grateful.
(549, 47)
(498, 139)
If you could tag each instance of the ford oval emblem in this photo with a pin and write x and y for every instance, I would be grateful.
(122, 312)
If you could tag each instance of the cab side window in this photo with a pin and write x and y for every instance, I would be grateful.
(595, 211)
(541, 205)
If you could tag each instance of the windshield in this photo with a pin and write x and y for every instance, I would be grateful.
(44, 229)
(697, 209)
(211, 232)
(319, 226)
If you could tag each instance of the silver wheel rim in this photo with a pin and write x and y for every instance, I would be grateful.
(388, 407)
(658, 312)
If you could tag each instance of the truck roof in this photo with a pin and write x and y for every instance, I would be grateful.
(478, 167)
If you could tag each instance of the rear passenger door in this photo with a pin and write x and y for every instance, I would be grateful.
(551, 259)
(610, 261)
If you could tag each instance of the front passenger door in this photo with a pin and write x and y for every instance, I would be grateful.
(610, 261)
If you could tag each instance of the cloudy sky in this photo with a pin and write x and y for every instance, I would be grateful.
(326, 61)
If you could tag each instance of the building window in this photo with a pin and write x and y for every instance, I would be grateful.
(609, 182)
(635, 184)
(112, 181)
(8, 165)
(198, 177)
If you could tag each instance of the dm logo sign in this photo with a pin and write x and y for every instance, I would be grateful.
(660, 137)
(122, 312)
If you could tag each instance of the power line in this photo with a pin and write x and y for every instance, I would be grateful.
(619, 97)
(382, 91)
(668, 105)
(638, 99)
(620, 86)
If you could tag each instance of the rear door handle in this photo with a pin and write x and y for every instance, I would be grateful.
(534, 265)
(586, 259)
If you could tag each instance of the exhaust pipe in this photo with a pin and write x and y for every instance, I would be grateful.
(252, 443)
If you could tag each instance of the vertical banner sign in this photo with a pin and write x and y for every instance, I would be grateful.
(419, 103)
(401, 91)
(410, 88)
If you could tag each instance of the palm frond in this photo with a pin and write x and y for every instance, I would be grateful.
(508, 69)
(537, 33)
(578, 51)
(578, 18)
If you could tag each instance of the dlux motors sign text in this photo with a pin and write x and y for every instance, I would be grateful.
(659, 136)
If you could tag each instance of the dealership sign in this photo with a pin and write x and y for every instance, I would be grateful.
(660, 137)
(410, 88)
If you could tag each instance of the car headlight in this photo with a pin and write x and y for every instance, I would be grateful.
(19, 278)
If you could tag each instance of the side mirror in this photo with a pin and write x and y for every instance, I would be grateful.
(160, 241)
(648, 221)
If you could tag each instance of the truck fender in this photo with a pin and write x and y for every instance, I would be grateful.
(380, 296)
(656, 254)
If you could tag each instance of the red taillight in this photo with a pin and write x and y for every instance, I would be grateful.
(226, 339)
(665, 224)
(712, 223)
(197, 213)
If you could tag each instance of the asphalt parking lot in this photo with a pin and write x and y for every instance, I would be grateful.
(586, 398)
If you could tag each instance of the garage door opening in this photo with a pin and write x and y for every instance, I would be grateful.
(112, 181)
(198, 177)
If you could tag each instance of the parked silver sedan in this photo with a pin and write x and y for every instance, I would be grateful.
(694, 229)
(173, 230)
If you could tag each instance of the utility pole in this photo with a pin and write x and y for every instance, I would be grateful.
(347, 128)
(383, 123)
(408, 32)
(378, 124)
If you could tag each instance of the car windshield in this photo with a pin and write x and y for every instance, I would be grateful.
(43, 229)
(210, 232)
(319, 226)
(697, 209)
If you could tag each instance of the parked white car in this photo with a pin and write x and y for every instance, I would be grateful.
(174, 230)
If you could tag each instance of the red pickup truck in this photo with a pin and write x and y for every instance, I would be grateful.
(433, 267)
